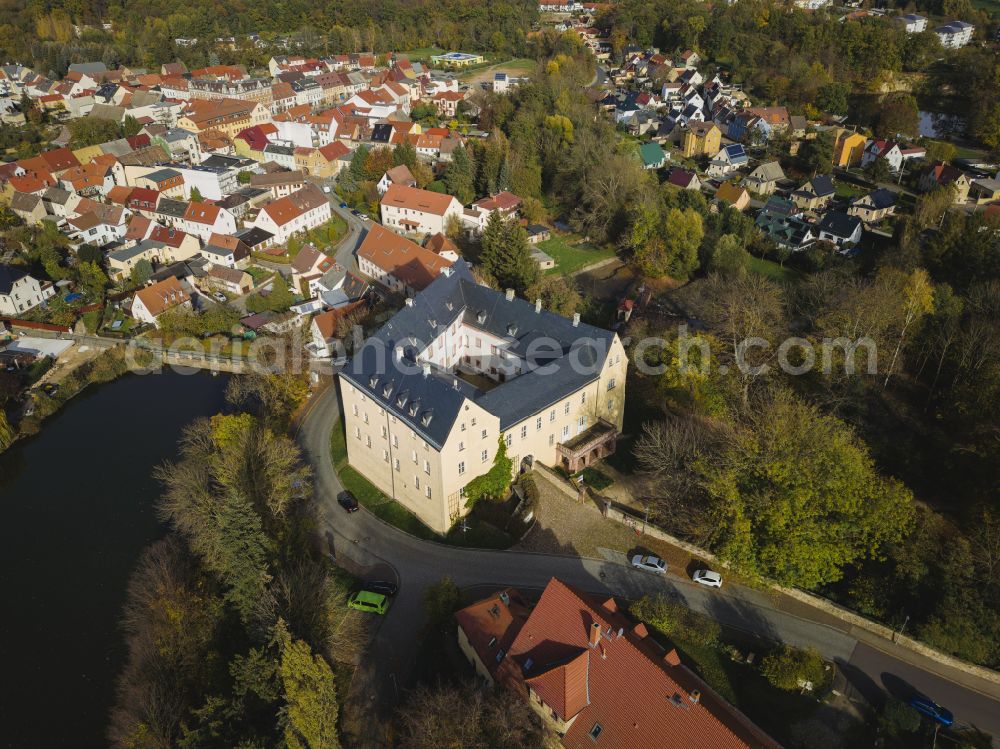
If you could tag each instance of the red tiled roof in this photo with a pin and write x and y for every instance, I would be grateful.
(161, 296)
(201, 213)
(640, 696)
(415, 199)
(399, 257)
(169, 236)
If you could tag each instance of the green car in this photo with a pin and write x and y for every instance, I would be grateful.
(365, 600)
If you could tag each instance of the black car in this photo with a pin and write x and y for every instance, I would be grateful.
(347, 501)
(381, 586)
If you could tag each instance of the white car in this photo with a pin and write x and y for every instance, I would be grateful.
(650, 564)
(707, 578)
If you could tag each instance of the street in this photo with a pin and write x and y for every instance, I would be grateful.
(366, 542)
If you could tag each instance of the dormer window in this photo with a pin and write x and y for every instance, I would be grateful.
(481, 317)
(426, 417)
(373, 381)
(386, 389)
(401, 399)
(414, 407)
(512, 329)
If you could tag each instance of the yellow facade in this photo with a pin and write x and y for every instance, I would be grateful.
(849, 149)
(702, 142)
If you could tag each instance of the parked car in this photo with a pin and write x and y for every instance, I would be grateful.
(347, 500)
(356, 212)
(220, 297)
(383, 587)
(707, 578)
(326, 189)
(649, 563)
(365, 600)
(343, 205)
(932, 710)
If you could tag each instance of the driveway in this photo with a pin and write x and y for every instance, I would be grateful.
(362, 540)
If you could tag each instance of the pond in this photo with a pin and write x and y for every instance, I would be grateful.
(78, 509)
(940, 124)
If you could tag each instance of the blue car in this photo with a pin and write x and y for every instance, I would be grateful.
(343, 205)
(932, 710)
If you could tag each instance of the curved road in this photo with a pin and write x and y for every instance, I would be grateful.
(870, 664)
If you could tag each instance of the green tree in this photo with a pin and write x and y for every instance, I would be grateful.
(141, 272)
(941, 150)
(832, 97)
(506, 255)
(877, 171)
(557, 293)
(817, 154)
(89, 131)
(244, 177)
(441, 601)
(667, 248)
(196, 195)
(310, 692)
(917, 295)
(796, 496)
(460, 176)
(729, 258)
(790, 668)
(896, 718)
(897, 115)
(130, 126)
(676, 620)
(92, 279)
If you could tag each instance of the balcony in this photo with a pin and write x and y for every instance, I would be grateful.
(588, 447)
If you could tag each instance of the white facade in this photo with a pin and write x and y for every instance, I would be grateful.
(24, 294)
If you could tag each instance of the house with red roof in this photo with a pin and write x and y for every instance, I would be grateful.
(151, 302)
(474, 218)
(411, 210)
(304, 209)
(397, 263)
(940, 174)
(595, 677)
(883, 149)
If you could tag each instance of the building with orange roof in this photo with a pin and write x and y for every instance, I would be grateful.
(595, 677)
(411, 210)
(304, 209)
(397, 263)
(734, 194)
(153, 301)
(227, 116)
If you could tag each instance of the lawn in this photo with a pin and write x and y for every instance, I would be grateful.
(421, 53)
(572, 255)
(329, 234)
(772, 270)
(847, 190)
(259, 275)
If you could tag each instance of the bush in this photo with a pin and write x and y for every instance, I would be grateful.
(676, 621)
(896, 718)
(790, 668)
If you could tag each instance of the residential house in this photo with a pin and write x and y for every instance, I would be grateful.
(324, 162)
(398, 175)
(701, 139)
(574, 658)
(684, 179)
(28, 207)
(874, 206)
(415, 211)
(300, 211)
(764, 179)
(841, 229)
(447, 430)
(780, 220)
(940, 174)
(729, 159)
(19, 291)
(229, 280)
(151, 302)
(96, 228)
(652, 155)
(227, 250)
(537, 233)
(443, 246)
(167, 181)
(883, 149)
(913, 23)
(280, 184)
(397, 263)
(308, 266)
(849, 148)
(955, 34)
(736, 195)
(323, 329)
(983, 191)
(505, 203)
(815, 194)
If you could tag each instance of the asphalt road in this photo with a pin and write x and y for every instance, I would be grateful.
(368, 545)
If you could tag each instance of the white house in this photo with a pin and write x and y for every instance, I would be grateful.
(414, 211)
(302, 210)
(913, 23)
(955, 34)
(883, 149)
(153, 301)
(398, 175)
(19, 292)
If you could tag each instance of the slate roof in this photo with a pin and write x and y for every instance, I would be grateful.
(839, 224)
(573, 360)
(878, 199)
(8, 277)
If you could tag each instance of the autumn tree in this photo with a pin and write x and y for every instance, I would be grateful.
(309, 716)
(558, 294)
(796, 496)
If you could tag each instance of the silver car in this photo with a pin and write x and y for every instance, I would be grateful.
(707, 578)
(650, 564)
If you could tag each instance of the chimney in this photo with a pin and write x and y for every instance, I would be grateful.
(576, 319)
(595, 634)
(695, 696)
(409, 301)
(427, 369)
(538, 306)
(399, 353)
(510, 295)
(672, 658)
(640, 631)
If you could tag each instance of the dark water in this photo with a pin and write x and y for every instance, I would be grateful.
(76, 510)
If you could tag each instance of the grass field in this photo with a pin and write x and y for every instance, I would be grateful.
(421, 53)
(517, 67)
(772, 270)
(571, 254)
